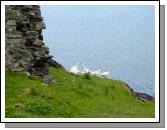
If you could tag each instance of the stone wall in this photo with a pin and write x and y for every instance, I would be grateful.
(24, 46)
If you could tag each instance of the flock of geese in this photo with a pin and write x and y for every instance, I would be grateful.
(75, 70)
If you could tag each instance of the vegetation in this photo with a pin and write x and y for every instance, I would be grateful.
(70, 96)
(87, 75)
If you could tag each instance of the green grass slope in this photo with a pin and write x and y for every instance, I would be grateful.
(71, 96)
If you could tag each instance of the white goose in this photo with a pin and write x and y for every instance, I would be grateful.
(97, 72)
(74, 69)
(105, 74)
(86, 70)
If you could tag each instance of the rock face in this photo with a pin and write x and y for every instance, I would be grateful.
(140, 96)
(24, 46)
(143, 96)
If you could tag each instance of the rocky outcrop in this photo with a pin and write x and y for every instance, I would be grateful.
(140, 96)
(53, 63)
(143, 96)
(24, 46)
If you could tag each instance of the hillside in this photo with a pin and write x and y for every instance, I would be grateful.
(71, 96)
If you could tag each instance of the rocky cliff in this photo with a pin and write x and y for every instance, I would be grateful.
(24, 46)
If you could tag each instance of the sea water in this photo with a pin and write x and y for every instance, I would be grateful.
(120, 38)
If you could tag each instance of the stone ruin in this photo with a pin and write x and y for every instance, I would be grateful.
(24, 46)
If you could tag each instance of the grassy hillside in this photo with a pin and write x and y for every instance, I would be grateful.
(70, 96)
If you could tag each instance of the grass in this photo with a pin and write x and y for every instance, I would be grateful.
(71, 96)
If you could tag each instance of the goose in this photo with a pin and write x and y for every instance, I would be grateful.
(105, 74)
(74, 69)
(85, 70)
(97, 72)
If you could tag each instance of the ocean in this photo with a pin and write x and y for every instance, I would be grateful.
(120, 38)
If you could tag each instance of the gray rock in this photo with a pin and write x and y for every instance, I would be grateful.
(28, 7)
(14, 36)
(53, 82)
(19, 68)
(32, 33)
(27, 73)
(47, 79)
(19, 106)
(53, 63)
(43, 25)
(19, 18)
(32, 13)
(16, 65)
(40, 25)
(38, 43)
(11, 22)
(15, 41)
(24, 48)
(26, 91)
(143, 96)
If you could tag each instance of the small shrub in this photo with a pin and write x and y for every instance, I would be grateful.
(31, 77)
(106, 90)
(34, 92)
(39, 108)
(26, 91)
(30, 91)
(9, 112)
(87, 75)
